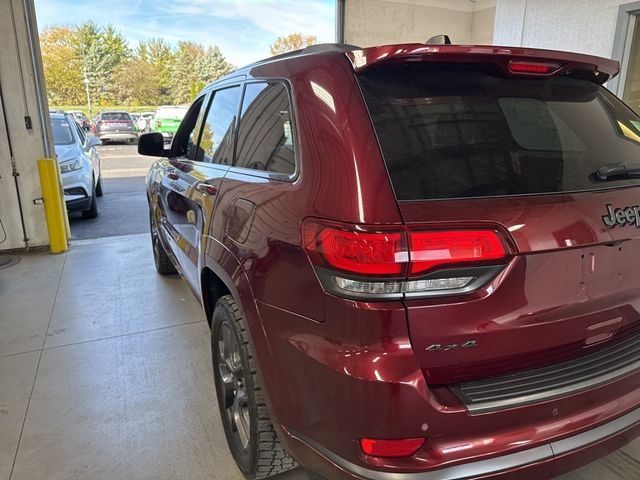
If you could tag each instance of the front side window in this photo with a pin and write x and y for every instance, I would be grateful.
(216, 140)
(464, 131)
(265, 134)
(186, 135)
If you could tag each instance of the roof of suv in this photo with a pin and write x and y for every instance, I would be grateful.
(362, 59)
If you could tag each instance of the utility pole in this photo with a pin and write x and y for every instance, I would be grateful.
(86, 81)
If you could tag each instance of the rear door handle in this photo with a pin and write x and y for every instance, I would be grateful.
(206, 188)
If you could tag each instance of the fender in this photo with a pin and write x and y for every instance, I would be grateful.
(219, 259)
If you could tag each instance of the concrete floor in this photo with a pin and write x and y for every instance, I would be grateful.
(105, 373)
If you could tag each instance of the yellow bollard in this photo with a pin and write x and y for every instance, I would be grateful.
(54, 208)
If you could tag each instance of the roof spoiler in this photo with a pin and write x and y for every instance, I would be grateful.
(599, 69)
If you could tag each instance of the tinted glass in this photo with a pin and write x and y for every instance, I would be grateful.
(216, 140)
(62, 134)
(265, 134)
(116, 116)
(452, 132)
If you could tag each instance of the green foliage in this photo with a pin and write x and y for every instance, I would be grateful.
(153, 72)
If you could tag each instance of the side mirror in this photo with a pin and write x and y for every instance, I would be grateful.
(151, 144)
(91, 141)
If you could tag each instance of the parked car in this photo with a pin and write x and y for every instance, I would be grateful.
(417, 261)
(81, 118)
(79, 165)
(167, 120)
(115, 126)
(145, 121)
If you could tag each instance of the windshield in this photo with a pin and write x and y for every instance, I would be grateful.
(116, 116)
(62, 134)
(457, 131)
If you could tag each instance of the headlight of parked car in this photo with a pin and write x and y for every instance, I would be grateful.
(70, 166)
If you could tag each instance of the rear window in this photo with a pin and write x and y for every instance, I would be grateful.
(456, 132)
(116, 116)
(61, 131)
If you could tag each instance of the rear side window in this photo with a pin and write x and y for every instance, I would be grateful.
(265, 134)
(456, 132)
(216, 139)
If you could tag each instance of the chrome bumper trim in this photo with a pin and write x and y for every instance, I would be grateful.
(494, 465)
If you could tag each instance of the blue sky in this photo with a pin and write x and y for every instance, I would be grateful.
(243, 29)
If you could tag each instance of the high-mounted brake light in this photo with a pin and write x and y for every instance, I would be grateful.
(535, 68)
(391, 448)
(390, 262)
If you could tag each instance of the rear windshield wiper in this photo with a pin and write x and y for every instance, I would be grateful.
(606, 172)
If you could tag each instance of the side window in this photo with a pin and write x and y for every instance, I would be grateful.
(265, 134)
(187, 134)
(216, 141)
(81, 134)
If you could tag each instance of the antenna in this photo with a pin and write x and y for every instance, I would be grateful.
(439, 40)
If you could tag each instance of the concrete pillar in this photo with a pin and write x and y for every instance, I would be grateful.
(24, 127)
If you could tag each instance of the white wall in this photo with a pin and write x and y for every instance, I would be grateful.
(583, 26)
(19, 94)
(379, 22)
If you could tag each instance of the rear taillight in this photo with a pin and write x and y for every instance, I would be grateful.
(533, 68)
(356, 251)
(376, 262)
(430, 249)
(404, 447)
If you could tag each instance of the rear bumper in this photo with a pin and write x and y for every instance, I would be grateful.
(337, 390)
(540, 462)
(118, 137)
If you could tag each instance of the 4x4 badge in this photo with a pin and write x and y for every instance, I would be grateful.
(438, 347)
(622, 216)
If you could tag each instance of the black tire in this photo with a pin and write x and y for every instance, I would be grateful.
(92, 212)
(164, 265)
(99, 187)
(253, 443)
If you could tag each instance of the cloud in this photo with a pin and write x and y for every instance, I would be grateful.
(243, 29)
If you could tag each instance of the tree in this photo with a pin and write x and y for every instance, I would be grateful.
(212, 65)
(62, 69)
(293, 41)
(137, 82)
(101, 50)
(183, 73)
(158, 53)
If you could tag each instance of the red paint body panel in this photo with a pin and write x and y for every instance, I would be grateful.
(336, 370)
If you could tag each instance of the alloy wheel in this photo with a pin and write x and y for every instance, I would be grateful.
(234, 393)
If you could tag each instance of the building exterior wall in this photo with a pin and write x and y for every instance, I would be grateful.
(583, 26)
(18, 83)
(379, 22)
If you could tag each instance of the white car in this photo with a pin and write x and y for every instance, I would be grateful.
(79, 165)
(144, 121)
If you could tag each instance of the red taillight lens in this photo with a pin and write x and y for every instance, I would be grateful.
(356, 251)
(538, 68)
(386, 252)
(391, 448)
(432, 248)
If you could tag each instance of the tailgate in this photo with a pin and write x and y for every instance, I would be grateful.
(572, 286)
(471, 146)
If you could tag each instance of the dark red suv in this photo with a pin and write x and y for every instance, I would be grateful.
(417, 260)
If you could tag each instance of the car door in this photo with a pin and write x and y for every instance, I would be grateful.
(194, 174)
